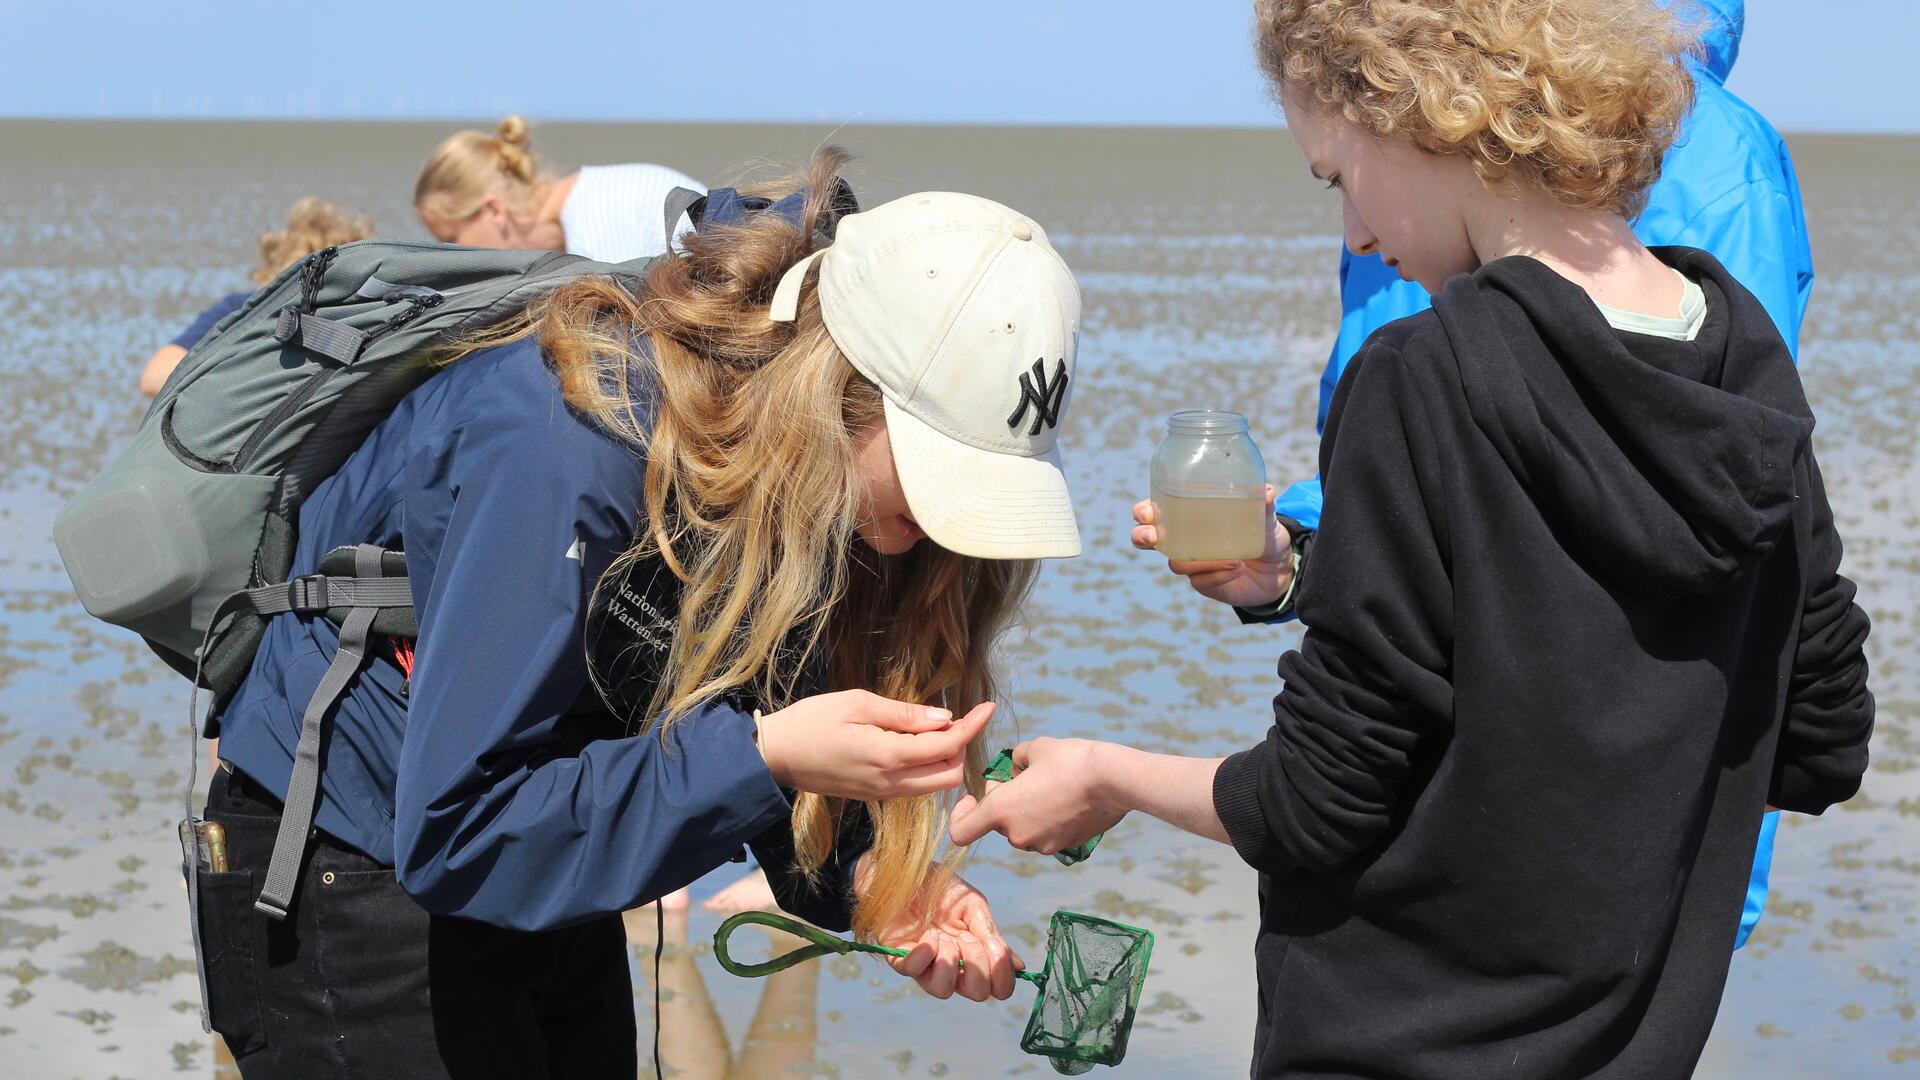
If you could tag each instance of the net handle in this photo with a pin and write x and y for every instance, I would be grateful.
(820, 944)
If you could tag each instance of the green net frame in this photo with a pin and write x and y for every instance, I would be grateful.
(1089, 992)
(1090, 985)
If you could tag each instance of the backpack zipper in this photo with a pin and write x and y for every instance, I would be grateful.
(416, 305)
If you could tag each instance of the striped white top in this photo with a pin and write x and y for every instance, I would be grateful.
(614, 212)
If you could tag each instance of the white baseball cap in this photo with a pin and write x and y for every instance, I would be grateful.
(967, 319)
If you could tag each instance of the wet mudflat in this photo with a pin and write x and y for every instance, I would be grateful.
(1206, 259)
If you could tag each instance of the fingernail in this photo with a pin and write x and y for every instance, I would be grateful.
(939, 716)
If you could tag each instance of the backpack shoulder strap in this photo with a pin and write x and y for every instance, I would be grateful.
(364, 596)
(682, 201)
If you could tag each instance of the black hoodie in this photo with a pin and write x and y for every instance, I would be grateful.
(1574, 617)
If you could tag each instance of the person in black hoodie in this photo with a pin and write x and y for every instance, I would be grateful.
(1574, 611)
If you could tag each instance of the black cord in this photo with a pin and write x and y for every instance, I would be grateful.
(659, 947)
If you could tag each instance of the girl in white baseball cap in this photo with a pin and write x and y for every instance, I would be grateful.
(774, 502)
(849, 424)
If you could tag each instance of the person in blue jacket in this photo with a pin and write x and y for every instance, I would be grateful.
(1727, 187)
(713, 569)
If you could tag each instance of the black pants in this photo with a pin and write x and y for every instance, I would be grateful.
(358, 981)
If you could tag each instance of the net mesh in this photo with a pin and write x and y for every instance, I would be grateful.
(1001, 769)
(1094, 974)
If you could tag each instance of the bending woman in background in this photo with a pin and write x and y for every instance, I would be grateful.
(312, 224)
(489, 191)
(738, 473)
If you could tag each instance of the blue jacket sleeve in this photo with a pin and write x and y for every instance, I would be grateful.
(1751, 230)
(496, 819)
(1301, 502)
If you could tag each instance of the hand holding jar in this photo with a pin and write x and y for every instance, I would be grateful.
(1211, 513)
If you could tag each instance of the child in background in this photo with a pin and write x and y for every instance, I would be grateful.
(1574, 614)
(312, 224)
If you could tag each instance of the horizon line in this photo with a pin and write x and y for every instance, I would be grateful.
(1275, 125)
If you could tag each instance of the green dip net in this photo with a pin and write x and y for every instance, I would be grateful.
(1001, 769)
(1089, 986)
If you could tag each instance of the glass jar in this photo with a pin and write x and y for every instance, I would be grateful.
(1209, 488)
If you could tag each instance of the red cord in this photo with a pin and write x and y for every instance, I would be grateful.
(403, 656)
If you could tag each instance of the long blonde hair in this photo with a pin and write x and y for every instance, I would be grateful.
(470, 165)
(312, 224)
(752, 500)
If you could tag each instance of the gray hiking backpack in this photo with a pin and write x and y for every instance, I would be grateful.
(202, 503)
(187, 536)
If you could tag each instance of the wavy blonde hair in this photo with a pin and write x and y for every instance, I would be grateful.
(470, 165)
(1577, 98)
(752, 499)
(312, 224)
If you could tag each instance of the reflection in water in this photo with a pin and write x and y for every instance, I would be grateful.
(693, 1041)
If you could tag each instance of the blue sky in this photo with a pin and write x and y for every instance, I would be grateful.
(1809, 65)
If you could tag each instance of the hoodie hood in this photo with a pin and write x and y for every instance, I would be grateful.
(1671, 464)
(1725, 21)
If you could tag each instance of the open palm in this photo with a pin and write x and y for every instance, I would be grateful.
(952, 944)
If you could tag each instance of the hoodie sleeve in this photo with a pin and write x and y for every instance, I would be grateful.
(496, 819)
(1823, 740)
(1371, 676)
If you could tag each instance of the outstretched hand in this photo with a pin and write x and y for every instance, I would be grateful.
(1055, 800)
(953, 945)
(1240, 582)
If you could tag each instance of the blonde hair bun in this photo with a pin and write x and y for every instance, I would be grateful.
(470, 165)
(515, 129)
(516, 157)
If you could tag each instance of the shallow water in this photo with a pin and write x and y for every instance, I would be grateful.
(1206, 259)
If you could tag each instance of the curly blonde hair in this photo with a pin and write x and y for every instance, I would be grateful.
(312, 224)
(1577, 98)
(470, 165)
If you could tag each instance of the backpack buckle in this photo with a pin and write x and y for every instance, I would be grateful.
(286, 325)
(307, 593)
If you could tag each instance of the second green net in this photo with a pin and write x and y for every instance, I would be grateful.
(1001, 769)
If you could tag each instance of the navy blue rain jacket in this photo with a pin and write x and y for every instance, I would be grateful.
(498, 784)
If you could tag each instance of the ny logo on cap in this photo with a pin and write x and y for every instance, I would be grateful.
(1045, 397)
